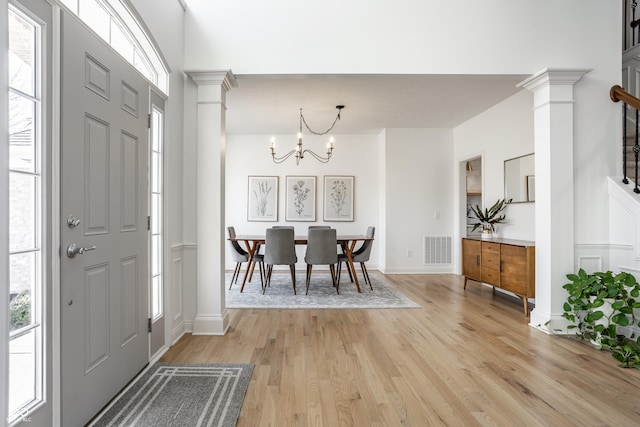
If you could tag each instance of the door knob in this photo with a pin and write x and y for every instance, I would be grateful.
(72, 221)
(73, 250)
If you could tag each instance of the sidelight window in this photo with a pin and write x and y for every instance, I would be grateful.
(26, 288)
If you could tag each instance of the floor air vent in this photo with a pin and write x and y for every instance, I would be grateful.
(437, 249)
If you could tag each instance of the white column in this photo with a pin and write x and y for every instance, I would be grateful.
(211, 314)
(553, 140)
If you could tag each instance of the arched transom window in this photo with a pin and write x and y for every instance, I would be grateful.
(119, 25)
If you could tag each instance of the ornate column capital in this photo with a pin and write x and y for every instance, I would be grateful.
(223, 78)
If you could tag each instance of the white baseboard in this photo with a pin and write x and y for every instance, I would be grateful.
(178, 332)
(158, 355)
(426, 269)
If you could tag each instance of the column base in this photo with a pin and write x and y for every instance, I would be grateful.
(211, 325)
(549, 324)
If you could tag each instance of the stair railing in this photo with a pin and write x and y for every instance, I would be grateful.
(617, 93)
(631, 24)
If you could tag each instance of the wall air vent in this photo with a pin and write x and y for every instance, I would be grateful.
(437, 250)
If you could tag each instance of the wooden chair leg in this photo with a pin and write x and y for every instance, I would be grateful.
(349, 271)
(268, 279)
(292, 268)
(262, 275)
(308, 277)
(236, 273)
(365, 273)
(333, 277)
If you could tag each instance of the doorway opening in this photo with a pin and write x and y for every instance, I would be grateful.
(473, 186)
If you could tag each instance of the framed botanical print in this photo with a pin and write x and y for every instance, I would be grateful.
(262, 198)
(300, 204)
(338, 198)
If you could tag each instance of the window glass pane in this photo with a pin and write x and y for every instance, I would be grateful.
(155, 258)
(21, 54)
(156, 308)
(21, 136)
(157, 173)
(156, 214)
(22, 272)
(156, 130)
(96, 17)
(22, 370)
(141, 65)
(120, 42)
(22, 211)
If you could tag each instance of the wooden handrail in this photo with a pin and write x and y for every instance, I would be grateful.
(617, 93)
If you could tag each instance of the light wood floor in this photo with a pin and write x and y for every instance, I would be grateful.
(466, 358)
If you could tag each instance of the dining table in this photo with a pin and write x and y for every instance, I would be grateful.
(348, 243)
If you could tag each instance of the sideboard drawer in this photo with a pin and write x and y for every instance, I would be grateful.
(491, 275)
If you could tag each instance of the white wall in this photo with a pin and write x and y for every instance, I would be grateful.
(502, 132)
(401, 36)
(355, 155)
(418, 188)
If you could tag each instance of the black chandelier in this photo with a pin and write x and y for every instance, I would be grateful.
(298, 151)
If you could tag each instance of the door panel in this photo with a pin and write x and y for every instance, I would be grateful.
(130, 300)
(96, 200)
(104, 158)
(96, 331)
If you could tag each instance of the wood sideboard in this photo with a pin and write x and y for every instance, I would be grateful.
(503, 263)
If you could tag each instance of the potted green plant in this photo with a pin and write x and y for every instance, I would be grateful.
(601, 307)
(488, 218)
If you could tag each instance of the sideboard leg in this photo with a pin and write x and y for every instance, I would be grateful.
(525, 301)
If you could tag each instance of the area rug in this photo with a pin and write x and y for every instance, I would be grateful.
(181, 395)
(322, 294)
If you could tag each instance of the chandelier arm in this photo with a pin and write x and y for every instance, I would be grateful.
(299, 151)
(318, 157)
(279, 160)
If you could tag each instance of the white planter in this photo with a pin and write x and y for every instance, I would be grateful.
(606, 310)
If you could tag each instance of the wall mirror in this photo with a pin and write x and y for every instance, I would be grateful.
(519, 179)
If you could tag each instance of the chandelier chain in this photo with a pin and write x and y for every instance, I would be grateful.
(320, 133)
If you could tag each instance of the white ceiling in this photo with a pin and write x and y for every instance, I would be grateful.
(265, 105)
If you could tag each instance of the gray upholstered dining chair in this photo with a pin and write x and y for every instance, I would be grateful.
(360, 255)
(239, 255)
(280, 249)
(322, 250)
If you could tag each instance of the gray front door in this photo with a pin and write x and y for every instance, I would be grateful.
(104, 196)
